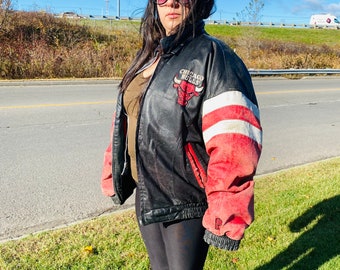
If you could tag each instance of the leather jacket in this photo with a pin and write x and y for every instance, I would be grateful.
(198, 140)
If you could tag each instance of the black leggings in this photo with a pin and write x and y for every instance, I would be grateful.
(177, 245)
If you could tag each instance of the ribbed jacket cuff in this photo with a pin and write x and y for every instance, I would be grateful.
(222, 242)
(115, 200)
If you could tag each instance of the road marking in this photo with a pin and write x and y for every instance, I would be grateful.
(56, 105)
(112, 101)
(297, 91)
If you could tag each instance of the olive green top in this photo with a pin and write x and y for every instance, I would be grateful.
(131, 101)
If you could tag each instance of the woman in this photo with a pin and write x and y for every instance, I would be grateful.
(187, 134)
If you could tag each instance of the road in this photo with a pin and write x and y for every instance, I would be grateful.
(53, 135)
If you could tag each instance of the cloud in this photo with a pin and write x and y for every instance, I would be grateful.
(317, 6)
(334, 8)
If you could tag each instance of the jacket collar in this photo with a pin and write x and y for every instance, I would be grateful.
(171, 45)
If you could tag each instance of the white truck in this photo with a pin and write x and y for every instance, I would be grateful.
(324, 21)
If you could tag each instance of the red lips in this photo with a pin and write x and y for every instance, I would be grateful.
(173, 15)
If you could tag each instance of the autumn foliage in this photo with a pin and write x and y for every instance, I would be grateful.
(36, 45)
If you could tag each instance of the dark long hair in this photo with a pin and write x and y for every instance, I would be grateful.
(152, 32)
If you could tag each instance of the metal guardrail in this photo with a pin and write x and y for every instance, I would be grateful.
(273, 72)
(271, 24)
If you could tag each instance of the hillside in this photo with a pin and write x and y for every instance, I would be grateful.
(37, 45)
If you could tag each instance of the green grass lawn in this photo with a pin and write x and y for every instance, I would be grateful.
(307, 36)
(296, 227)
(60, 48)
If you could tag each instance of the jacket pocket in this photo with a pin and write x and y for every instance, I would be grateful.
(196, 166)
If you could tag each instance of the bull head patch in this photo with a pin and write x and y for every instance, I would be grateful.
(188, 85)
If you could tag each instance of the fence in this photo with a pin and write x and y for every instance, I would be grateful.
(269, 24)
(275, 72)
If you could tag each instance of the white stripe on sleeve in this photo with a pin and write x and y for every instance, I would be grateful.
(227, 99)
(233, 126)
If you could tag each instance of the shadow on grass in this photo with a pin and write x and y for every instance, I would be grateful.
(316, 245)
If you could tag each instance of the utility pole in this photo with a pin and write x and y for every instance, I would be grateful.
(118, 8)
(107, 8)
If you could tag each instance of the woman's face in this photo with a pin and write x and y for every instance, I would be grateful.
(172, 13)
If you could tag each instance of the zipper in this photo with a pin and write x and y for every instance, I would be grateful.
(159, 66)
(127, 117)
(126, 147)
(196, 166)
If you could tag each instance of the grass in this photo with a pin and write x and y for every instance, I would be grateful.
(35, 45)
(296, 227)
(306, 36)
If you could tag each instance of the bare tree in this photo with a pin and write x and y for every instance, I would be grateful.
(252, 13)
(5, 6)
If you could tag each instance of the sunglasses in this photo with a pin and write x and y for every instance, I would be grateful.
(162, 2)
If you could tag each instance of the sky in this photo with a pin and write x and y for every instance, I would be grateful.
(275, 11)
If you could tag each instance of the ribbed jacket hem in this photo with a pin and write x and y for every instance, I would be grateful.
(222, 242)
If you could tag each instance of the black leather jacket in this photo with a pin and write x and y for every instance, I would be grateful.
(176, 156)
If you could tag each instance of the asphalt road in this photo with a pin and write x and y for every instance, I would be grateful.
(53, 135)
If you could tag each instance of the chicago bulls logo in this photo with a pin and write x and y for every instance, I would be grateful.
(188, 85)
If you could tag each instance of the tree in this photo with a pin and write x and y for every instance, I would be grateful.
(250, 38)
(5, 6)
(252, 12)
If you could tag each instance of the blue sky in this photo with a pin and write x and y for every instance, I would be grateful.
(277, 11)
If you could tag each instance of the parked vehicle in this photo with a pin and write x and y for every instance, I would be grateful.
(324, 20)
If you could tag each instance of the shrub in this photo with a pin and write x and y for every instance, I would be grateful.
(38, 45)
